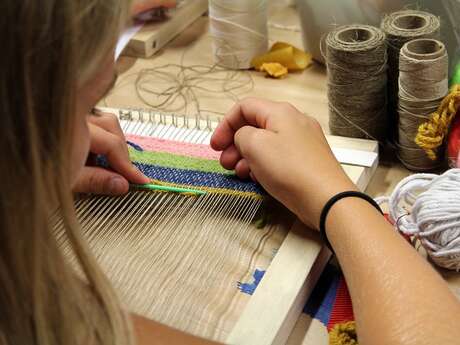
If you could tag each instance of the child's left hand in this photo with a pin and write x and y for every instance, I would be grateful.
(108, 139)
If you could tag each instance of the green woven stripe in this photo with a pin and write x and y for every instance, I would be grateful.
(169, 160)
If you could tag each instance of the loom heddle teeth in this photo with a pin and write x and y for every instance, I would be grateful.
(125, 115)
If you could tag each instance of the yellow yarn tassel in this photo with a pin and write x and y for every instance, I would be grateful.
(432, 133)
(343, 334)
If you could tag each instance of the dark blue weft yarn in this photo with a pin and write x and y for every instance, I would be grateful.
(198, 178)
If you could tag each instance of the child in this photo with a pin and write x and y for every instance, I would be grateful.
(56, 63)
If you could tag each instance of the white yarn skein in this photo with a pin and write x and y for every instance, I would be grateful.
(432, 214)
(240, 31)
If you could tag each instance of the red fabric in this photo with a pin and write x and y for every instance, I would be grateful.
(453, 144)
(387, 217)
(342, 310)
(407, 237)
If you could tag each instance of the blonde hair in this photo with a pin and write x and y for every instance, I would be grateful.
(50, 47)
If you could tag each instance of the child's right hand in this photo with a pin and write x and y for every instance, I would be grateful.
(285, 151)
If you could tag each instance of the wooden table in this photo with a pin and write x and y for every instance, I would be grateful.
(306, 90)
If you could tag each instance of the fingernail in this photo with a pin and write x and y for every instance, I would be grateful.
(116, 185)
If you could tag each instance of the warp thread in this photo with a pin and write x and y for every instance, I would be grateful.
(240, 31)
(423, 83)
(356, 59)
(401, 27)
(427, 206)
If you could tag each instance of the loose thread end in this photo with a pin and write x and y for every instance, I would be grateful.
(431, 134)
(344, 334)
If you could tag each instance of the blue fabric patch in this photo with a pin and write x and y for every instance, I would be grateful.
(198, 178)
(249, 288)
(322, 299)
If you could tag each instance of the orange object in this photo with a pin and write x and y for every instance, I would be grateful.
(274, 69)
(292, 58)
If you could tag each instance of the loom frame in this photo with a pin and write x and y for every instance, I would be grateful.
(305, 255)
(302, 251)
(154, 36)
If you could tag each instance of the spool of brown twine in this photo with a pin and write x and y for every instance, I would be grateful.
(423, 83)
(400, 28)
(356, 58)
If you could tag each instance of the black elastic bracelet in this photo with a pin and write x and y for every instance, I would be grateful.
(331, 202)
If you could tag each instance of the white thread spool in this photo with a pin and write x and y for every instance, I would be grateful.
(427, 206)
(239, 29)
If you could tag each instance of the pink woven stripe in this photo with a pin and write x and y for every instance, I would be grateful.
(174, 147)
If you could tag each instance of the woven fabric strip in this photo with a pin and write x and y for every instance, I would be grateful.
(168, 160)
(342, 310)
(195, 178)
(174, 147)
(321, 302)
(173, 165)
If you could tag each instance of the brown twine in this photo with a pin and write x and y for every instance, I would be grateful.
(356, 58)
(174, 88)
(423, 83)
(180, 88)
(400, 28)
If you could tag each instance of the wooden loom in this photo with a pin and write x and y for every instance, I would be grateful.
(266, 317)
(151, 37)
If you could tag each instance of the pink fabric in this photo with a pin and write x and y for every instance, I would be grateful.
(174, 147)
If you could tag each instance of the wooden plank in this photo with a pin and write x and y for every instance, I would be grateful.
(353, 143)
(273, 310)
(359, 152)
(152, 37)
(361, 176)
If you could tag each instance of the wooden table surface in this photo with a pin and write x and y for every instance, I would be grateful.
(306, 90)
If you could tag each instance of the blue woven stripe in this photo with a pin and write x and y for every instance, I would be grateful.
(198, 178)
(322, 298)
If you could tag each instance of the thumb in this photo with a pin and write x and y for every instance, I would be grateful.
(98, 180)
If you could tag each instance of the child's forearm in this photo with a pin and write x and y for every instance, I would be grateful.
(397, 297)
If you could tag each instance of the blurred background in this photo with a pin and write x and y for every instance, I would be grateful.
(318, 17)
